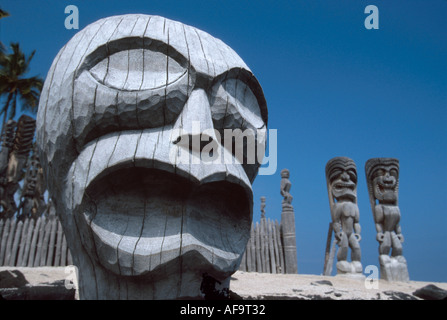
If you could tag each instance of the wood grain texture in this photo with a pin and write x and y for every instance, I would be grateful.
(139, 221)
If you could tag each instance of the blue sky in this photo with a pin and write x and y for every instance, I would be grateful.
(333, 88)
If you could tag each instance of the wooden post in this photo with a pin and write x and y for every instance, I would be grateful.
(46, 239)
(266, 247)
(248, 256)
(253, 248)
(58, 245)
(326, 268)
(8, 249)
(243, 265)
(40, 243)
(15, 244)
(289, 238)
(64, 251)
(29, 236)
(4, 240)
(272, 252)
(34, 243)
(258, 249)
(52, 241)
(2, 223)
(22, 242)
(261, 232)
(281, 252)
(276, 247)
(69, 258)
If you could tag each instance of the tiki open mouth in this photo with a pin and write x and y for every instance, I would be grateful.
(340, 186)
(385, 186)
(141, 218)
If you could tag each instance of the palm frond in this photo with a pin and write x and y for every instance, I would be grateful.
(3, 14)
(13, 68)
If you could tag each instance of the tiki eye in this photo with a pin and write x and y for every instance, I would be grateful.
(378, 173)
(335, 174)
(137, 69)
(394, 173)
(352, 175)
(234, 105)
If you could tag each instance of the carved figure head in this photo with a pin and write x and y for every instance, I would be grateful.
(382, 176)
(262, 207)
(285, 174)
(108, 119)
(341, 177)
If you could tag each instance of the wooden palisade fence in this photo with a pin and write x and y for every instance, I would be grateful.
(33, 243)
(264, 252)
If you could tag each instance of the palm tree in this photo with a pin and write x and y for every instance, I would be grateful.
(3, 14)
(14, 86)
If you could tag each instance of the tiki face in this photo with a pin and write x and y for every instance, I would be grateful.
(114, 101)
(383, 179)
(341, 175)
(285, 174)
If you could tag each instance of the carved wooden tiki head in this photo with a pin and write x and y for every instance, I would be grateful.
(117, 99)
(341, 177)
(382, 177)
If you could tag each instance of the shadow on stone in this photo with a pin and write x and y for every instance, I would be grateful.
(12, 279)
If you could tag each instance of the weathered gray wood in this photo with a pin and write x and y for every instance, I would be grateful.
(22, 242)
(33, 246)
(326, 271)
(15, 245)
(27, 248)
(57, 256)
(262, 238)
(272, 250)
(342, 192)
(40, 243)
(288, 225)
(253, 248)
(69, 257)
(46, 239)
(4, 240)
(51, 244)
(243, 265)
(64, 251)
(270, 247)
(248, 254)
(9, 242)
(2, 223)
(330, 263)
(266, 247)
(289, 238)
(386, 213)
(281, 252)
(258, 248)
(78, 116)
(276, 248)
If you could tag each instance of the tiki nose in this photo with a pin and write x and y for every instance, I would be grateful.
(194, 126)
(389, 179)
(345, 176)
